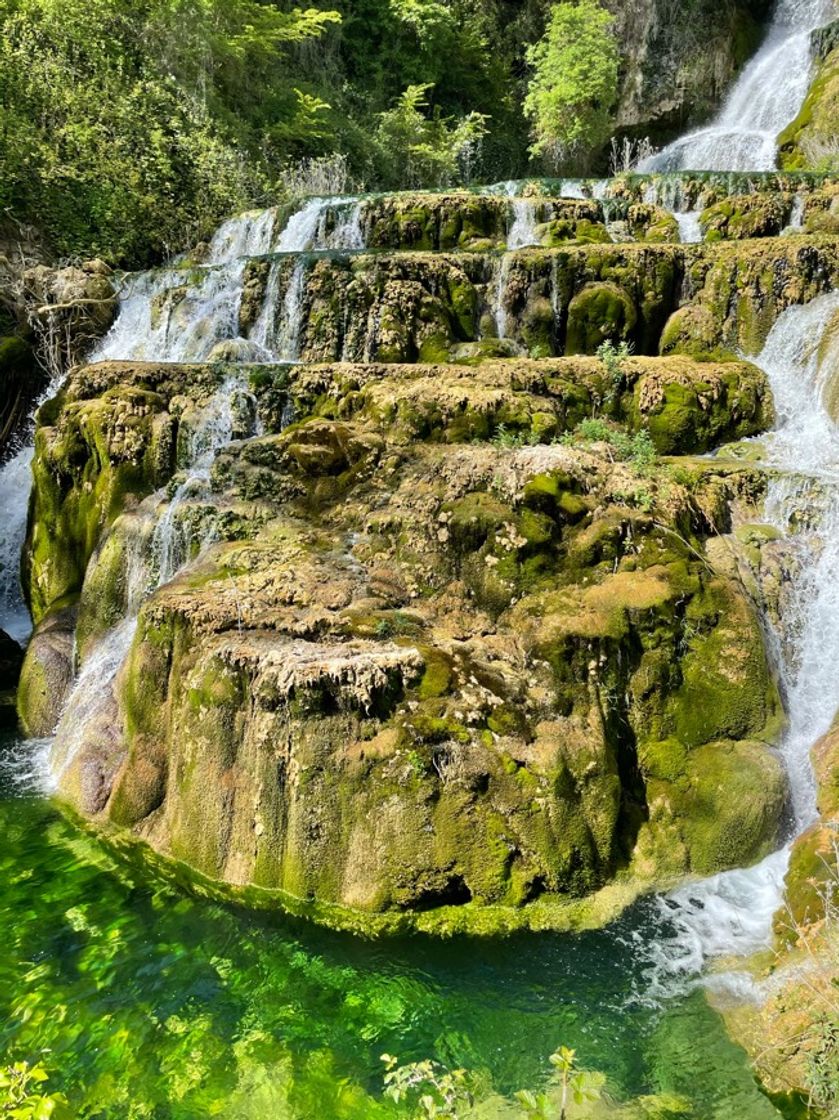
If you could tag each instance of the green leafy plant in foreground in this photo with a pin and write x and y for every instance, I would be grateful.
(20, 1094)
(438, 1092)
(576, 1082)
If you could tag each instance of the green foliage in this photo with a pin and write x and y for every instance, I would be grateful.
(637, 449)
(129, 129)
(418, 147)
(613, 358)
(572, 93)
(21, 1096)
(507, 440)
(823, 1063)
(580, 1084)
(438, 1092)
(435, 1090)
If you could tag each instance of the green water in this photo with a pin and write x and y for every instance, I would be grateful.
(143, 1001)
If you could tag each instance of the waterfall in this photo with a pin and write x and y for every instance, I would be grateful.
(92, 695)
(522, 232)
(796, 217)
(308, 230)
(15, 484)
(15, 481)
(690, 231)
(763, 101)
(180, 313)
(731, 913)
(499, 310)
(348, 234)
(246, 235)
(172, 546)
(288, 340)
(263, 331)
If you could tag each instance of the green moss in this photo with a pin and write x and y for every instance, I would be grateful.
(437, 677)
(727, 690)
(597, 313)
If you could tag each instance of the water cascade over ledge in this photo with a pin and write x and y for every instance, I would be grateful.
(765, 99)
(731, 914)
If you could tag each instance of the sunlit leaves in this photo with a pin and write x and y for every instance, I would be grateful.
(575, 81)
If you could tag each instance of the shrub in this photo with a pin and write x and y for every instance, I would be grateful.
(572, 92)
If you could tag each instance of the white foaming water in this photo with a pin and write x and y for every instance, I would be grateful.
(766, 97)
(178, 314)
(92, 695)
(796, 217)
(323, 223)
(174, 541)
(287, 343)
(15, 484)
(25, 767)
(731, 914)
(522, 232)
(263, 331)
(499, 307)
(690, 231)
(572, 188)
(246, 235)
(172, 315)
(348, 233)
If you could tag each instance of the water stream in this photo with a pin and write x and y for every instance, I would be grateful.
(765, 99)
(15, 484)
(176, 540)
(731, 914)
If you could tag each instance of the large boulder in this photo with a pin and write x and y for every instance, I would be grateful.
(427, 676)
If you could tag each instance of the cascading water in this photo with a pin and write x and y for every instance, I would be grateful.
(287, 344)
(766, 97)
(690, 231)
(15, 478)
(731, 914)
(174, 542)
(181, 313)
(15, 482)
(522, 232)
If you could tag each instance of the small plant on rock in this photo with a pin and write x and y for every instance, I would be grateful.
(613, 358)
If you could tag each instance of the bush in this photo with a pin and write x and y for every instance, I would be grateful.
(129, 129)
(574, 87)
(418, 147)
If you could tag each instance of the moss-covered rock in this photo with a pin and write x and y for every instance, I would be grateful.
(810, 140)
(744, 217)
(442, 679)
(598, 313)
(47, 672)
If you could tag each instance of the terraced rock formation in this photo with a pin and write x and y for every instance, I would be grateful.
(434, 626)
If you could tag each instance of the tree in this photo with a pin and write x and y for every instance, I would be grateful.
(128, 128)
(574, 86)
